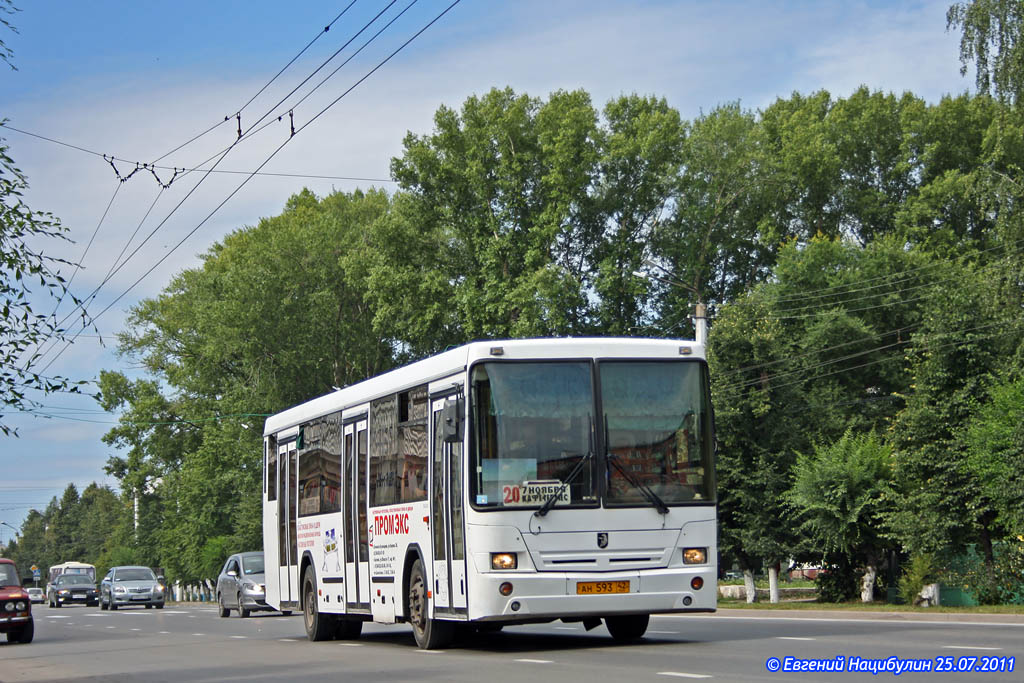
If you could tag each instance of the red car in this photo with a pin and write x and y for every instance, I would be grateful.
(15, 606)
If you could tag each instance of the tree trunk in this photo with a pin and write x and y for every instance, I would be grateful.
(773, 583)
(748, 581)
(867, 586)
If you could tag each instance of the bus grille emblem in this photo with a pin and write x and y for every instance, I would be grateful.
(602, 539)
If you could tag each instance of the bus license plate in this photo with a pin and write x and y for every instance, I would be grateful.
(597, 587)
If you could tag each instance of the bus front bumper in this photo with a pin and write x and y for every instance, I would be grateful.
(557, 595)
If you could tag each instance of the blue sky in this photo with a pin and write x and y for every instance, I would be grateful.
(136, 79)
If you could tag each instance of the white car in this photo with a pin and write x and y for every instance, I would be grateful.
(36, 595)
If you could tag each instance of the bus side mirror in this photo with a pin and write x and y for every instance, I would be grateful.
(451, 422)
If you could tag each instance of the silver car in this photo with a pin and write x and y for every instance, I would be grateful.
(123, 586)
(241, 586)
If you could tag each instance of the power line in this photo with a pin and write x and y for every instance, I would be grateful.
(928, 345)
(251, 175)
(186, 170)
(223, 154)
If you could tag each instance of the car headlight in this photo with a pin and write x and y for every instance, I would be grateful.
(159, 588)
(695, 555)
(120, 589)
(9, 607)
(504, 560)
(21, 606)
(63, 591)
(249, 587)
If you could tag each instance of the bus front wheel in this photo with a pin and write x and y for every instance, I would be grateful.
(319, 626)
(627, 628)
(430, 633)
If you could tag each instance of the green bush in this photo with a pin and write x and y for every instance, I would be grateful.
(921, 571)
(1001, 583)
(838, 581)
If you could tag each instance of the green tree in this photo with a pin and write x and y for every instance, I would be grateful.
(995, 453)
(838, 491)
(22, 265)
(991, 39)
(500, 191)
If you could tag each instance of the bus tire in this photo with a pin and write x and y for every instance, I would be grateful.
(348, 629)
(319, 626)
(627, 628)
(430, 633)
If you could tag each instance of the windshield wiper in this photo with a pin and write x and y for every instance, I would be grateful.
(553, 498)
(650, 495)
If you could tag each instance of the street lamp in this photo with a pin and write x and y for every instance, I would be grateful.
(700, 316)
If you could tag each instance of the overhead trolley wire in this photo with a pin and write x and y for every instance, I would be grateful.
(258, 168)
(224, 153)
(267, 85)
(187, 170)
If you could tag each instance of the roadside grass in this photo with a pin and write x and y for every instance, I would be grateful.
(857, 606)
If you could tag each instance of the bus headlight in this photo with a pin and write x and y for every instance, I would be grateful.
(695, 555)
(504, 561)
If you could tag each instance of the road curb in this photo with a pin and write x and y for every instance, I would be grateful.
(859, 615)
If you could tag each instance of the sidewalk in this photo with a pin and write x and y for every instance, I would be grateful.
(854, 615)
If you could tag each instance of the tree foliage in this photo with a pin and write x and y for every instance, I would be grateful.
(860, 255)
(23, 267)
(991, 38)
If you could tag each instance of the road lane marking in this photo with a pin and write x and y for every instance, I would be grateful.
(353, 644)
(136, 629)
(164, 633)
(566, 628)
(792, 638)
(111, 627)
(680, 674)
(431, 652)
(969, 647)
(57, 616)
(536, 661)
(199, 634)
(288, 640)
(240, 637)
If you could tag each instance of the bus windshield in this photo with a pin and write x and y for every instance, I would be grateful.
(533, 424)
(658, 431)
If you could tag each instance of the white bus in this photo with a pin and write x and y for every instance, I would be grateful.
(499, 483)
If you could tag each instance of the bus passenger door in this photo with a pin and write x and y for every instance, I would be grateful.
(288, 551)
(438, 518)
(357, 587)
(456, 523)
(446, 509)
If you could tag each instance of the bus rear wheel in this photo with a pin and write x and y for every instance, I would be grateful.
(319, 626)
(627, 628)
(430, 633)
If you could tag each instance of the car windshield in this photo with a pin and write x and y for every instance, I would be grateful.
(134, 574)
(72, 580)
(8, 575)
(253, 564)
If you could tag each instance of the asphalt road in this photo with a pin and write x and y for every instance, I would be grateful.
(191, 643)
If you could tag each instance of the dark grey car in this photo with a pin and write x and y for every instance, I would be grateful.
(72, 588)
(241, 585)
(132, 585)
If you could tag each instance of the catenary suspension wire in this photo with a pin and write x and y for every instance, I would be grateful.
(267, 85)
(251, 175)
